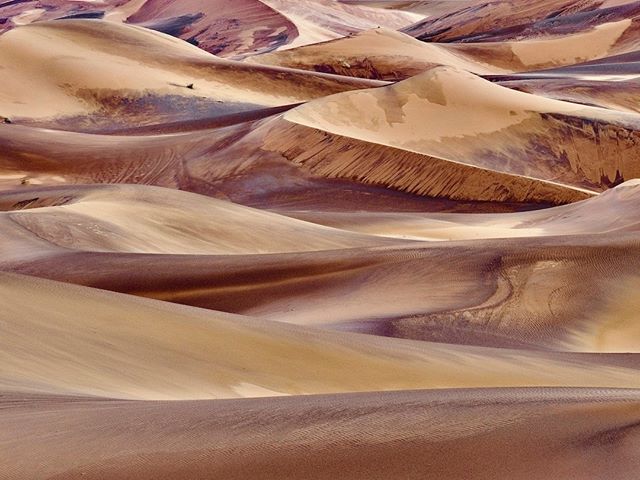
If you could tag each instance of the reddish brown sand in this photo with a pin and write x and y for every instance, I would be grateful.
(319, 239)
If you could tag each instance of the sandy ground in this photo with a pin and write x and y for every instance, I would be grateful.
(319, 239)
(486, 433)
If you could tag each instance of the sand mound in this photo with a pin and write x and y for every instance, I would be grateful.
(423, 135)
(74, 68)
(388, 55)
(321, 20)
(140, 219)
(220, 27)
(380, 53)
(612, 211)
(479, 21)
(76, 340)
(565, 293)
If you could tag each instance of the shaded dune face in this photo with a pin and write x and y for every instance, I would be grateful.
(319, 239)
(502, 133)
(477, 21)
(222, 28)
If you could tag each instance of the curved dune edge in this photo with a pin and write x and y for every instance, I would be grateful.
(532, 294)
(487, 433)
(381, 54)
(322, 20)
(451, 114)
(386, 54)
(592, 216)
(144, 219)
(337, 156)
(220, 27)
(90, 66)
(76, 340)
(479, 21)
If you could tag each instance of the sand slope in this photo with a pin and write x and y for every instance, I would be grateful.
(442, 131)
(111, 70)
(544, 290)
(222, 28)
(321, 20)
(76, 340)
(610, 212)
(389, 55)
(476, 20)
(486, 433)
(141, 219)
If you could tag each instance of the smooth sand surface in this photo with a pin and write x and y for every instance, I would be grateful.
(83, 341)
(89, 65)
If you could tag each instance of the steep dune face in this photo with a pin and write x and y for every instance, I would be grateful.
(534, 148)
(486, 433)
(113, 71)
(220, 27)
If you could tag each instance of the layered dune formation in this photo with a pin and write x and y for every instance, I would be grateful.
(319, 239)
(414, 136)
(385, 54)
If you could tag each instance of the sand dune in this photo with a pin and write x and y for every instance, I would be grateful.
(479, 21)
(321, 20)
(114, 71)
(220, 27)
(541, 291)
(319, 239)
(611, 211)
(199, 156)
(440, 132)
(225, 28)
(612, 94)
(76, 340)
(389, 55)
(486, 433)
(142, 219)
(381, 54)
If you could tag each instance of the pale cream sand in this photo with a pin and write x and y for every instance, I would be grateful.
(87, 60)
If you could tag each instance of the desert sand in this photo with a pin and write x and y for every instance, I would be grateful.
(319, 239)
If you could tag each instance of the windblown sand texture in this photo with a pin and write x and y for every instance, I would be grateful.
(319, 239)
